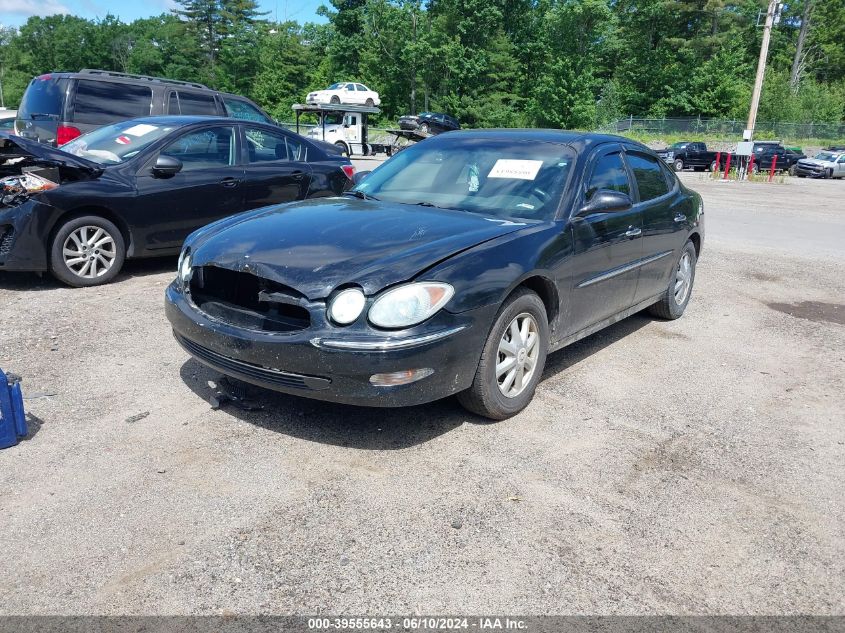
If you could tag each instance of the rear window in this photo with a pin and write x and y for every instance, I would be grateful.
(239, 109)
(43, 96)
(102, 102)
(197, 103)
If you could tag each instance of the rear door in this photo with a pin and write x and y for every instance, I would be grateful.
(607, 246)
(208, 187)
(663, 221)
(275, 167)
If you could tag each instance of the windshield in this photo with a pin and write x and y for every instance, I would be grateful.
(677, 146)
(335, 86)
(826, 156)
(517, 179)
(116, 143)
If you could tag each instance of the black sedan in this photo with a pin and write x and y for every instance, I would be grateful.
(429, 123)
(454, 267)
(139, 187)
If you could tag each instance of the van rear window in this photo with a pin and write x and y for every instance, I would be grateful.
(43, 96)
(102, 102)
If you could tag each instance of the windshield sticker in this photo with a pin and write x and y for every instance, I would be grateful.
(140, 129)
(516, 169)
(123, 140)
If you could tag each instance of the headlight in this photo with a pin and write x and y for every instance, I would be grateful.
(409, 304)
(183, 268)
(346, 306)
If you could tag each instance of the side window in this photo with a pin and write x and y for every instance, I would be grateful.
(651, 182)
(197, 103)
(609, 173)
(204, 149)
(238, 109)
(350, 87)
(263, 145)
(297, 150)
(102, 102)
(173, 104)
(361, 87)
(841, 159)
(670, 176)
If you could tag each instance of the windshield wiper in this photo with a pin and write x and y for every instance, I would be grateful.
(359, 194)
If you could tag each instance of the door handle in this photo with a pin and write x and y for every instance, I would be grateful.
(680, 218)
(633, 233)
(297, 175)
(230, 182)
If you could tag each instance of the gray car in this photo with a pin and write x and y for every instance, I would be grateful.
(825, 164)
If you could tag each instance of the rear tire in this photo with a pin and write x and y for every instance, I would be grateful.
(714, 166)
(676, 298)
(87, 251)
(369, 103)
(491, 395)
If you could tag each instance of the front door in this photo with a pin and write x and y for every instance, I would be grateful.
(208, 187)
(276, 169)
(606, 248)
(664, 222)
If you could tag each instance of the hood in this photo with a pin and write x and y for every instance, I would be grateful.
(317, 245)
(815, 162)
(39, 154)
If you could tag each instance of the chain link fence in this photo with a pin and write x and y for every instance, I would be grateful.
(727, 127)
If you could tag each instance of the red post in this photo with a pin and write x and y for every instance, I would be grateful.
(718, 162)
(751, 165)
(727, 167)
(774, 164)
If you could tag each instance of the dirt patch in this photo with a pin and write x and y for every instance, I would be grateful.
(764, 277)
(815, 311)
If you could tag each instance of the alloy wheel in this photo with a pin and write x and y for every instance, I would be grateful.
(89, 252)
(518, 353)
(683, 279)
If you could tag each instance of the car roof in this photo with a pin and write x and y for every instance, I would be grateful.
(578, 140)
(188, 119)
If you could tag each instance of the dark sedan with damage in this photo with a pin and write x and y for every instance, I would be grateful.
(453, 268)
(139, 187)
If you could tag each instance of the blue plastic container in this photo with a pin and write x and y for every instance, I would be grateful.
(12, 416)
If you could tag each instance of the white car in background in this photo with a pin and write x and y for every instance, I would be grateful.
(347, 92)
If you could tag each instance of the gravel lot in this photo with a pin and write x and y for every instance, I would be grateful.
(691, 467)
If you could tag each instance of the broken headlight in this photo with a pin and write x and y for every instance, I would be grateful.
(184, 270)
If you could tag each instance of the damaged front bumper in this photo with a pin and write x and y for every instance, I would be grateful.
(331, 363)
(21, 247)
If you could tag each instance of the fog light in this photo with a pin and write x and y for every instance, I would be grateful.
(400, 377)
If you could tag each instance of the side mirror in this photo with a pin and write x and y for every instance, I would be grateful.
(360, 175)
(606, 201)
(166, 166)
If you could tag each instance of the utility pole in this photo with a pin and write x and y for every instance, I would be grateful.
(771, 13)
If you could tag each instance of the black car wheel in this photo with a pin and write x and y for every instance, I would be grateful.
(512, 360)
(335, 99)
(828, 173)
(679, 164)
(87, 251)
(674, 301)
(343, 147)
(714, 166)
(424, 128)
(370, 103)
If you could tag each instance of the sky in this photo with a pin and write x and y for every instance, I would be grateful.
(15, 12)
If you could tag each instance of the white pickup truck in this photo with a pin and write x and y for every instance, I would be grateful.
(825, 164)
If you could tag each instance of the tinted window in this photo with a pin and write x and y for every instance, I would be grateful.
(263, 145)
(100, 102)
(239, 109)
(7, 124)
(173, 104)
(651, 182)
(609, 173)
(197, 103)
(43, 96)
(350, 86)
(211, 147)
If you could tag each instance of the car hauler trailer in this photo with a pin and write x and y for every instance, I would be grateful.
(346, 126)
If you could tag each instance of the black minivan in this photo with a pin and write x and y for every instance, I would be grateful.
(58, 107)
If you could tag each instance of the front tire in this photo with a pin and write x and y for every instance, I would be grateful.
(334, 100)
(424, 128)
(513, 359)
(343, 147)
(679, 165)
(676, 298)
(87, 251)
